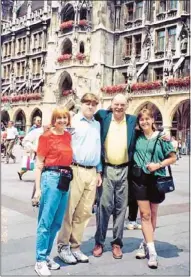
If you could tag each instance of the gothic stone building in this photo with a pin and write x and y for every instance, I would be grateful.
(55, 51)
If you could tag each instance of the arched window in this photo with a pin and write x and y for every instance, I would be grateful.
(35, 113)
(65, 82)
(82, 47)
(67, 47)
(83, 13)
(67, 13)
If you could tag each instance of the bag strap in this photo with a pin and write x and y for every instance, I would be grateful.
(169, 167)
(155, 146)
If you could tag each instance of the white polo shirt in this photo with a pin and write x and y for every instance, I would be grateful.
(11, 132)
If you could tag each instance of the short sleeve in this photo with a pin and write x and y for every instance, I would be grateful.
(167, 148)
(42, 149)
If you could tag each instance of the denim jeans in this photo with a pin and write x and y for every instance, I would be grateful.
(53, 204)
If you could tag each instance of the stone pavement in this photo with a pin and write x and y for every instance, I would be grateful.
(19, 228)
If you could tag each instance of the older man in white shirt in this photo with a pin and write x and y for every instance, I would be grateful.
(12, 135)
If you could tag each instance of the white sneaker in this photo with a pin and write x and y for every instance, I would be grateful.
(80, 257)
(153, 261)
(65, 255)
(132, 225)
(41, 269)
(142, 251)
(52, 265)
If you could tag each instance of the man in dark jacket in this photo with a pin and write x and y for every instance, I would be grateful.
(117, 140)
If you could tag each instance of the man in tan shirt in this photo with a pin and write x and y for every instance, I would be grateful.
(117, 138)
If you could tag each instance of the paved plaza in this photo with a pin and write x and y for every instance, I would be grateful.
(19, 228)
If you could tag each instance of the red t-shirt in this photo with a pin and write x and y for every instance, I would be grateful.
(56, 149)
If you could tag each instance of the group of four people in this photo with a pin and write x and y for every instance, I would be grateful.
(97, 157)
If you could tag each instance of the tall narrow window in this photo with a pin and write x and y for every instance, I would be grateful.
(8, 70)
(40, 40)
(9, 48)
(22, 68)
(35, 41)
(130, 12)
(158, 73)
(38, 65)
(82, 47)
(19, 45)
(139, 10)
(138, 44)
(128, 46)
(5, 45)
(18, 69)
(172, 4)
(24, 44)
(160, 40)
(172, 37)
(33, 66)
(162, 6)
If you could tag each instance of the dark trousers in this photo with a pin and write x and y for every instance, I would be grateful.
(132, 203)
(112, 198)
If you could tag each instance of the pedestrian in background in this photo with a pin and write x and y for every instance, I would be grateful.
(37, 122)
(179, 149)
(11, 138)
(86, 145)
(144, 184)
(175, 146)
(117, 138)
(30, 141)
(53, 175)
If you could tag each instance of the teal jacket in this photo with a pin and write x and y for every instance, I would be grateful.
(104, 117)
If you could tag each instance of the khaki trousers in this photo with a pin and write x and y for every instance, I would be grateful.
(9, 148)
(79, 211)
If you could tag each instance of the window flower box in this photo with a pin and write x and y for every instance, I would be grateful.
(83, 22)
(67, 92)
(80, 56)
(146, 86)
(64, 57)
(114, 89)
(67, 25)
(179, 82)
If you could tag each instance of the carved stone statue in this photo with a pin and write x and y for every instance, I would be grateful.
(184, 43)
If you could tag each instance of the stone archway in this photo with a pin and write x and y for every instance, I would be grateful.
(5, 117)
(20, 120)
(156, 112)
(180, 118)
(36, 112)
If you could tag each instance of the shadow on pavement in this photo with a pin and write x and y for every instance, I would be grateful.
(164, 249)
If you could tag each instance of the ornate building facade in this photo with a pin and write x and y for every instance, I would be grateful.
(54, 53)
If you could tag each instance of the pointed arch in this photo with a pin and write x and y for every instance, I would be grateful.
(65, 82)
(20, 119)
(67, 13)
(82, 48)
(66, 46)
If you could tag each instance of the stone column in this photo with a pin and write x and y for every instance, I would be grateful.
(167, 129)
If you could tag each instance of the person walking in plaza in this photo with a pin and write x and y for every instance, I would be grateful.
(117, 137)
(11, 138)
(31, 140)
(53, 176)
(152, 164)
(86, 145)
(175, 146)
(37, 122)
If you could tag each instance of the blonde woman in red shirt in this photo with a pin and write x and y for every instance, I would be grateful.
(53, 175)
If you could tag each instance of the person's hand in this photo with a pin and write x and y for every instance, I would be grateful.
(99, 180)
(36, 197)
(165, 137)
(152, 167)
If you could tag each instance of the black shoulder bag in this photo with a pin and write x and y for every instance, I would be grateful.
(164, 184)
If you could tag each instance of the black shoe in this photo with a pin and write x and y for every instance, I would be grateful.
(20, 176)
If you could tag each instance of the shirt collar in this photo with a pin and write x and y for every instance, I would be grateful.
(123, 120)
(82, 117)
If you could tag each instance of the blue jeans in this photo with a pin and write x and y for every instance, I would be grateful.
(53, 204)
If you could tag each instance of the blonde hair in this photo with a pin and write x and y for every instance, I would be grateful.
(89, 97)
(60, 111)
